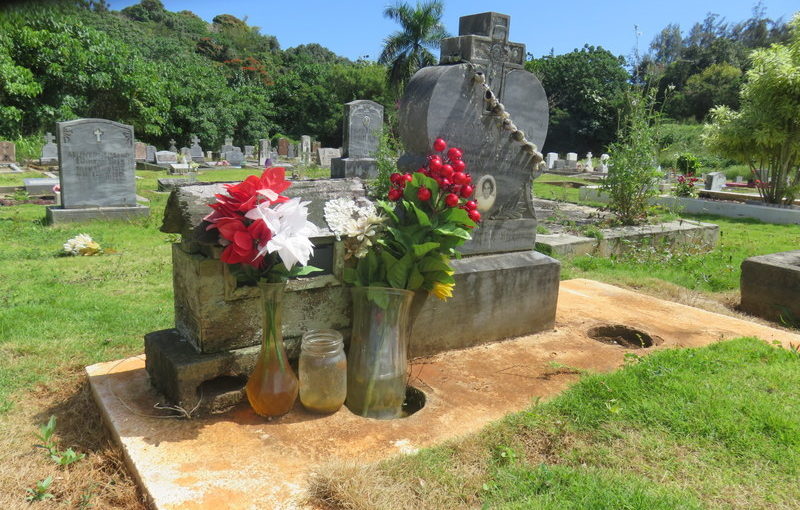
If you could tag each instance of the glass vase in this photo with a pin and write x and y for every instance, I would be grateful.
(272, 386)
(323, 371)
(376, 361)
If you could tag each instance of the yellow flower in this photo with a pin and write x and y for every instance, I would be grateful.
(442, 290)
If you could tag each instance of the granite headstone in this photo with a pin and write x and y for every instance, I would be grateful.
(264, 151)
(166, 157)
(305, 149)
(715, 181)
(196, 151)
(151, 154)
(326, 155)
(140, 151)
(8, 152)
(363, 122)
(283, 147)
(49, 149)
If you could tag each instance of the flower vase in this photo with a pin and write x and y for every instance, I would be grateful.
(376, 361)
(272, 386)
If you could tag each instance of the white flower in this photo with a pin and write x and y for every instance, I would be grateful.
(358, 221)
(81, 244)
(290, 229)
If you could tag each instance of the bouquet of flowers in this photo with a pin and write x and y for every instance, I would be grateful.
(407, 242)
(685, 186)
(265, 234)
(82, 244)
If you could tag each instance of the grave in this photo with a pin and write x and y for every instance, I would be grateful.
(97, 172)
(140, 151)
(166, 158)
(227, 146)
(770, 286)
(715, 181)
(552, 157)
(315, 147)
(40, 186)
(604, 163)
(305, 149)
(589, 165)
(234, 157)
(326, 155)
(363, 121)
(264, 151)
(150, 156)
(172, 146)
(572, 161)
(283, 147)
(249, 152)
(185, 152)
(292, 151)
(195, 151)
(49, 155)
(8, 153)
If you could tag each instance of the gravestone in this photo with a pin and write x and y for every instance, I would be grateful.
(49, 150)
(249, 152)
(572, 161)
(209, 155)
(283, 147)
(166, 158)
(363, 121)
(97, 171)
(186, 153)
(8, 153)
(234, 157)
(604, 163)
(227, 146)
(588, 166)
(40, 186)
(715, 181)
(326, 155)
(551, 159)
(172, 146)
(739, 179)
(770, 286)
(195, 151)
(315, 147)
(150, 157)
(305, 149)
(485, 103)
(292, 152)
(264, 151)
(140, 151)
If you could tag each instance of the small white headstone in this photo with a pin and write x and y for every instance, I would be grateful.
(588, 166)
(715, 181)
(604, 163)
(551, 159)
(572, 160)
(739, 178)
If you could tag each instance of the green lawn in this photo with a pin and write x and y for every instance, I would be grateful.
(715, 427)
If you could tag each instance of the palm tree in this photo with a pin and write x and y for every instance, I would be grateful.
(407, 50)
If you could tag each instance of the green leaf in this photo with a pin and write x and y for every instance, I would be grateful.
(452, 230)
(388, 208)
(433, 263)
(303, 270)
(398, 273)
(388, 260)
(350, 275)
(456, 215)
(415, 279)
(422, 217)
(420, 250)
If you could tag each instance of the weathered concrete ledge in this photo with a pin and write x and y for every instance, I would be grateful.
(770, 286)
(616, 240)
(241, 461)
(56, 214)
(767, 214)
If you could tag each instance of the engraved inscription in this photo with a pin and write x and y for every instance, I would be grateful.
(109, 166)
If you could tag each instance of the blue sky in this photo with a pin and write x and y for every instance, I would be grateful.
(357, 28)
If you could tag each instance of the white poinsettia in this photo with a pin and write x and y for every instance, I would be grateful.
(357, 221)
(82, 244)
(290, 229)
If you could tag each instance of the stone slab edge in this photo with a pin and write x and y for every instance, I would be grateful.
(56, 215)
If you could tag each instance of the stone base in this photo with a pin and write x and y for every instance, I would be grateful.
(771, 287)
(363, 168)
(497, 236)
(494, 299)
(56, 215)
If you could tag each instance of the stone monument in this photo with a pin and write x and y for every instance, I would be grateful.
(552, 157)
(264, 151)
(8, 153)
(305, 149)
(151, 154)
(589, 165)
(604, 163)
(234, 156)
(572, 161)
(292, 151)
(363, 122)
(49, 153)
(227, 146)
(196, 151)
(172, 146)
(166, 158)
(326, 155)
(97, 172)
(249, 151)
(715, 181)
(283, 147)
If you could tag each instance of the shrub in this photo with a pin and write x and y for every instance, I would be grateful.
(688, 164)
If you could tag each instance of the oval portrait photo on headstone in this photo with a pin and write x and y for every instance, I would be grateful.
(485, 193)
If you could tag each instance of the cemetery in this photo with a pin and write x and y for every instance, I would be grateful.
(435, 293)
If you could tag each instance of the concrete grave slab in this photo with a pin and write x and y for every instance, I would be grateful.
(770, 286)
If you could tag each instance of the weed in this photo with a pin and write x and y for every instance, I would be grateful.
(40, 492)
(62, 458)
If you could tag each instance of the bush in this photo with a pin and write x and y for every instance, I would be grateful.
(688, 164)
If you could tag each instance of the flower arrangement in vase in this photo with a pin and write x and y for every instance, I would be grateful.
(266, 239)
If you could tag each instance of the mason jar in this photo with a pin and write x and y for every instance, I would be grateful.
(323, 371)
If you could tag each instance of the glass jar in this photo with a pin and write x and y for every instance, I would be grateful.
(323, 371)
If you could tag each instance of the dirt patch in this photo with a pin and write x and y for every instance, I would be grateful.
(34, 201)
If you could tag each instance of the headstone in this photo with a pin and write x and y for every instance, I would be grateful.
(227, 146)
(326, 155)
(483, 101)
(588, 166)
(97, 171)
(292, 151)
(715, 181)
(140, 151)
(572, 161)
(49, 150)
(363, 121)
(40, 186)
(551, 159)
(249, 151)
(150, 156)
(8, 152)
(172, 146)
(179, 168)
(283, 147)
(739, 178)
(315, 147)
(264, 151)
(305, 149)
(186, 152)
(209, 155)
(195, 151)
(604, 163)
(234, 157)
(166, 157)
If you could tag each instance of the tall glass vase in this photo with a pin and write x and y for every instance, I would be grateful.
(376, 361)
(272, 386)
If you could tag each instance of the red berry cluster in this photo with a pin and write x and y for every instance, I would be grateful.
(450, 173)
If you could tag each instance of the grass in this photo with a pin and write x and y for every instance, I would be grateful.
(18, 179)
(715, 427)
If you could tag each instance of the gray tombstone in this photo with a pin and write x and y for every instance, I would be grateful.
(166, 157)
(326, 155)
(186, 152)
(234, 157)
(249, 151)
(264, 151)
(228, 146)
(604, 163)
(484, 102)
(97, 171)
(151, 154)
(172, 146)
(305, 149)
(551, 159)
(363, 121)
(715, 181)
(40, 186)
(572, 160)
(195, 151)
(292, 151)
(49, 150)
(140, 151)
(8, 152)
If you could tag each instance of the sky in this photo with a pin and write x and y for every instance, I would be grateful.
(356, 29)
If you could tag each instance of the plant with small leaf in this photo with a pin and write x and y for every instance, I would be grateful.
(62, 458)
(684, 186)
(40, 491)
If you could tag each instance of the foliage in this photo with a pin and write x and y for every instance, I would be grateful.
(687, 164)
(684, 185)
(585, 90)
(633, 172)
(62, 458)
(386, 161)
(408, 50)
(41, 491)
(765, 132)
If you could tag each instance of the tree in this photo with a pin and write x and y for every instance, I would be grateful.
(407, 50)
(716, 85)
(765, 132)
(585, 89)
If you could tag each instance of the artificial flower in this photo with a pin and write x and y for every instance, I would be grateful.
(442, 290)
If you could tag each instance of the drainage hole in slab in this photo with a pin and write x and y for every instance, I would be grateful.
(624, 336)
(415, 400)
(220, 386)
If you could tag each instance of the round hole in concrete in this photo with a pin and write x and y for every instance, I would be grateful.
(624, 336)
(415, 400)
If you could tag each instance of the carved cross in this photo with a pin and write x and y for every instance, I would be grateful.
(195, 140)
(172, 141)
(228, 140)
(49, 138)
(98, 133)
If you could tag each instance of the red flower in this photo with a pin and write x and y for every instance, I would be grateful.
(244, 196)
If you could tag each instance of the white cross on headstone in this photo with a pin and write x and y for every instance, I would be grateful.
(98, 134)
(49, 138)
(195, 140)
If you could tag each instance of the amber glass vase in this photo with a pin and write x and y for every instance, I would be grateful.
(272, 386)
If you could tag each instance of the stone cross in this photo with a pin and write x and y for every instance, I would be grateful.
(172, 146)
(98, 134)
(195, 140)
(483, 41)
(49, 138)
